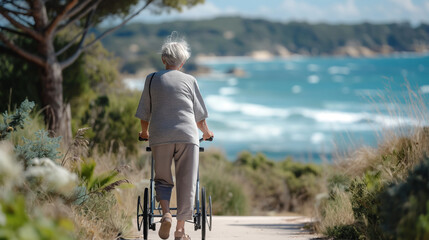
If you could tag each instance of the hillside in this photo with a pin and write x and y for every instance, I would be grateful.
(138, 44)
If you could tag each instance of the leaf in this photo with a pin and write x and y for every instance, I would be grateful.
(112, 186)
(87, 171)
(102, 180)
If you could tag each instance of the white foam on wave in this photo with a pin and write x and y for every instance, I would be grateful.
(290, 66)
(270, 121)
(232, 81)
(424, 89)
(327, 116)
(313, 79)
(369, 92)
(244, 131)
(227, 104)
(317, 138)
(313, 67)
(296, 89)
(334, 70)
(225, 91)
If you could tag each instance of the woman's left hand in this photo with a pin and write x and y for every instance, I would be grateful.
(144, 135)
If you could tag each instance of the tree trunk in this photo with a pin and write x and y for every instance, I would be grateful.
(57, 114)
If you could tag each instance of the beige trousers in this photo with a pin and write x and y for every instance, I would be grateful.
(186, 157)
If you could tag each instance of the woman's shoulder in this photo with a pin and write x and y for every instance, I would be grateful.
(184, 75)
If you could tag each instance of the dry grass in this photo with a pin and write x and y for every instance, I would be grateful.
(337, 212)
(399, 150)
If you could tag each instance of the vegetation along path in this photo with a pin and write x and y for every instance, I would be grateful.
(251, 228)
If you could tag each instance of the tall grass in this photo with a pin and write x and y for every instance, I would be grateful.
(359, 178)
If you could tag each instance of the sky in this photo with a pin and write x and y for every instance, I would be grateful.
(328, 11)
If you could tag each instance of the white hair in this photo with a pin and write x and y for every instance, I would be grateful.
(175, 50)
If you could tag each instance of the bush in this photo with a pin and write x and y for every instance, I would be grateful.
(16, 120)
(228, 197)
(17, 224)
(280, 186)
(112, 122)
(405, 211)
(343, 232)
(41, 147)
(365, 203)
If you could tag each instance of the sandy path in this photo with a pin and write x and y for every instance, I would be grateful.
(250, 228)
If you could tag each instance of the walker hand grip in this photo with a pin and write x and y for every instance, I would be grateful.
(143, 139)
(208, 139)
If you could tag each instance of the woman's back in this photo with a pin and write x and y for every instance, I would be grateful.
(176, 107)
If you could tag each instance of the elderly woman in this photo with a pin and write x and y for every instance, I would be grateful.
(172, 108)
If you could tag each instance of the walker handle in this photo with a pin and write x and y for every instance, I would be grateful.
(208, 139)
(143, 139)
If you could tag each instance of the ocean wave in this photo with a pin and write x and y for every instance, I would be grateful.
(424, 89)
(313, 79)
(313, 67)
(225, 91)
(334, 70)
(333, 118)
(227, 104)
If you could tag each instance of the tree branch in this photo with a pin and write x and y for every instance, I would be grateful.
(14, 31)
(17, 12)
(20, 26)
(60, 17)
(19, 7)
(22, 20)
(81, 15)
(22, 53)
(78, 8)
(105, 33)
(72, 58)
(66, 47)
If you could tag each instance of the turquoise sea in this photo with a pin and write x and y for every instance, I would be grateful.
(308, 107)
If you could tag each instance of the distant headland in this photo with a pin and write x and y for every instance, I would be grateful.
(137, 44)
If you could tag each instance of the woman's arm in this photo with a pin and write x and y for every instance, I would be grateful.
(202, 125)
(144, 133)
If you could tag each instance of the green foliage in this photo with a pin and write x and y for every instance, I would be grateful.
(365, 203)
(343, 232)
(42, 146)
(228, 197)
(112, 122)
(92, 183)
(285, 185)
(18, 79)
(338, 180)
(405, 210)
(16, 120)
(255, 162)
(17, 224)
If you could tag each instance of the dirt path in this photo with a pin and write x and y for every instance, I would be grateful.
(250, 228)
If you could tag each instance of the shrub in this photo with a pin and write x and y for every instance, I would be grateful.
(113, 123)
(405, 211)
(17, 224)
(365, 203)
(343, 232)
(41, 147)
(16, 120)
(336, 212)
(228, 197)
